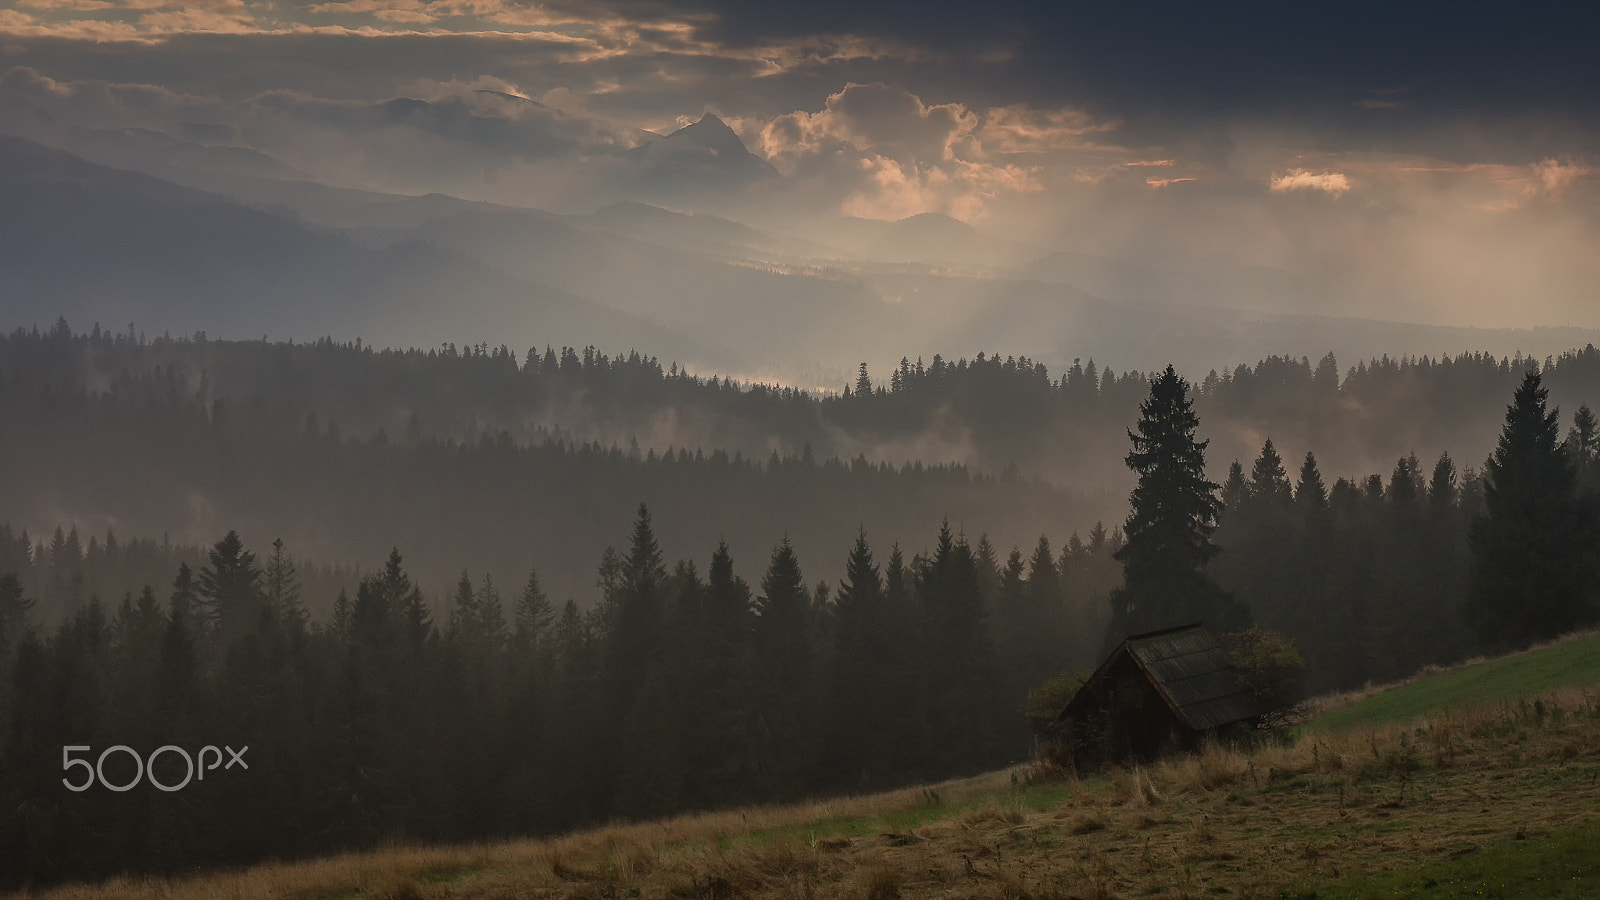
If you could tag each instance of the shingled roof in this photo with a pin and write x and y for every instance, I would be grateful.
(1191, 672)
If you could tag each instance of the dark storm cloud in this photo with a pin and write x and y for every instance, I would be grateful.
(1436, 158)
(1401, 72)
(1427, 78)
(1233, 56)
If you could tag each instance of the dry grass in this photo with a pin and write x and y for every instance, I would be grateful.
(1221, 821)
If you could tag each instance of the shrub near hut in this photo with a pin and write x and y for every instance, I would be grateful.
(1270, 667)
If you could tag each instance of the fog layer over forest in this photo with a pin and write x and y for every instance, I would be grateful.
(497, 461)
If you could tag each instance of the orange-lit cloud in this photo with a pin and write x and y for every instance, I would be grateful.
(894, 155)
(876, 117)
(1021, 129)
(1501, 187)
(414, 11)
(1335, 183)
(68, 5)
(130, 19)
(1555, 177)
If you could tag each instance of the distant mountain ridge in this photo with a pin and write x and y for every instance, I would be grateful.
(706, 153)
(97, 244)
(297, 258)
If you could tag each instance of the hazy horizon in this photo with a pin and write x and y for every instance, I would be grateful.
(1420, 173)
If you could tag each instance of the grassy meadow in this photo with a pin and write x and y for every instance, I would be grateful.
(1479, 781)
(1572, 662)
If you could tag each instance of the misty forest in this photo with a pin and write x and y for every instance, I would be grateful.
(490, 672)
(484, 448)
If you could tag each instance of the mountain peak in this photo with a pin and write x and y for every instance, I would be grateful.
(706, 154)
(710, 132)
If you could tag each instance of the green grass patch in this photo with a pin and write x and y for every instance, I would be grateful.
(451, 874)
(935, 808)
(1575, 663)
(1559, 865)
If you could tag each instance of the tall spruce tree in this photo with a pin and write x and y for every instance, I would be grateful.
(1583, 445)
(282, 589)
(634, 622)
(862, 653)
(1310, 494)
(1269, 483)
(784, 675)
(1534, 571)
(230, 588)
(1169, 528)
(958, 667)
(535, 618)
(13, 610)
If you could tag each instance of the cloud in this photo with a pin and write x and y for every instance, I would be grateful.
(72, 5)
(885, 153)
(413, 11)
(1109, 130)
(93, 103)
(1556, 177)
(873, 117)
(1335, 183)
(1020, 129)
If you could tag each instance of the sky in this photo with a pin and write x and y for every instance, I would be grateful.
(1423, 162)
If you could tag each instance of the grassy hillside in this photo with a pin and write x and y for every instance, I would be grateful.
(1452, 793)
(1572, 662)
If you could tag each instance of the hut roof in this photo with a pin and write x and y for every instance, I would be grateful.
(1192, 673)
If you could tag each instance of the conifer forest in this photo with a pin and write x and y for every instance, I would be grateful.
(488, 448)
(431, 614)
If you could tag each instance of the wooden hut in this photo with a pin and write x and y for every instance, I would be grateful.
(1157, 691)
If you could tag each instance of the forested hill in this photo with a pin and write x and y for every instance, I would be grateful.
(499, 461)
(989, 412)
(192, 439)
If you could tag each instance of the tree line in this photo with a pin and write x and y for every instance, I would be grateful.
(1373, 579)
(504, 712)
(987, 412)
(378, 707)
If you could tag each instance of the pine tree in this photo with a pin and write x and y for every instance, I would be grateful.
(13, 610)
(1234, 488)
(958, 667)
(727, 734)
(282, 587)
(863, 652)
(1534, 570)
(1442, 489)
(341, 614)
(1583, 445)
(535, 617)
(185, 600)
(388, 606)
(785, 671)
(1170, 526)
(230, 588)
(1405, 483)
(634, 620)
(463, 628)
(1310, 494)
(491, 615)
(1269, 483)
(1043, 638)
